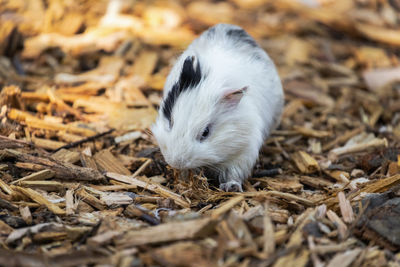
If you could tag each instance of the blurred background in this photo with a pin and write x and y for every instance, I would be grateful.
(121, 50)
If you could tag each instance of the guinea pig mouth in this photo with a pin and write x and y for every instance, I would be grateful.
(182, 164)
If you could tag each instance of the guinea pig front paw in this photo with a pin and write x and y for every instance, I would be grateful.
(231, 186)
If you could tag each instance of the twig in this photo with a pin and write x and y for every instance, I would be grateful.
(141, 168)
(6, 142)
(63, 170)
(137, 211)
(355, 148)
(88, 139)
(4, 204)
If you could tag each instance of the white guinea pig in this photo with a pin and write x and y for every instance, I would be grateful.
(221, 99)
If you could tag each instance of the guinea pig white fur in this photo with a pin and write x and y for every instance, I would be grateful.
(221, 99)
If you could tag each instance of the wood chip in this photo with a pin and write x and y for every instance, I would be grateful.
(269, 238)
(325, 249)
(107, 162)
(226, 206)
(344, 259)
(354, 148)
(342, 228)
(26, 214)
(70, 206)
(103, 239)
(345, 208)
(44, 185)
(158, 189)
(168, 232)
(287, 196)
(34, 122)
(305, 163)
(36, 176)
(62, 170)
(382, 185)
(47, 144)
(68, 156)
(311, 132)
(90, 199)
(38, 198)
(315, 182)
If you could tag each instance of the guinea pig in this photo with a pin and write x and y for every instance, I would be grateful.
(221, 100)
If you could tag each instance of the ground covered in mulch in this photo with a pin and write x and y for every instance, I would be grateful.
(82, 181)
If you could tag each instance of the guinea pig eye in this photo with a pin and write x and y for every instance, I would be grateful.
(205, 133)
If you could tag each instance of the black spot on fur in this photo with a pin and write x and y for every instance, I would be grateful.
(169, 102)
(241, 36)
(189, 78)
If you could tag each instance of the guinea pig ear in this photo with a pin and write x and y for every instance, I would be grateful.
(231, 98)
